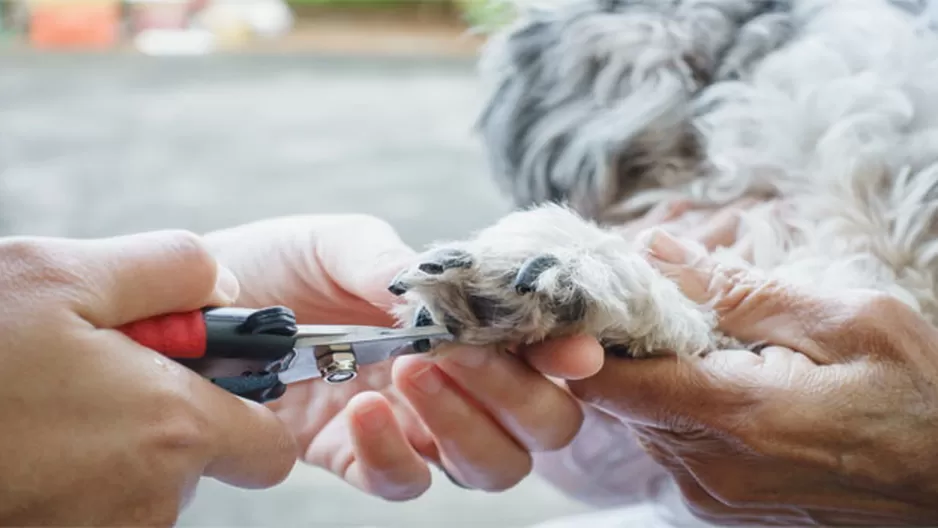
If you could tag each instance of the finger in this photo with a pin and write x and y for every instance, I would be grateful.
(703, 501)
(385, 463)
(363, 268)
(720, 230)
(535, 411)
(135, 277)
(337, 267)
(661, 213)
(472, 447)
(749, 306)
(667, 391)
(568, 358)
(745, 249)
(251, 447)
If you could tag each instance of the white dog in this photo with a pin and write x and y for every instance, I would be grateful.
(828, 107)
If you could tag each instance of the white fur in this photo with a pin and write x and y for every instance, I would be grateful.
(828, 106)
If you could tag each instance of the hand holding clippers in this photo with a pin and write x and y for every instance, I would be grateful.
(256, 353)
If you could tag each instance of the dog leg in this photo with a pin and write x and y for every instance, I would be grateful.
(546, 272)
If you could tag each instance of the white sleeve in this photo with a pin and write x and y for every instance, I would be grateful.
(604, 466)
(607, 468)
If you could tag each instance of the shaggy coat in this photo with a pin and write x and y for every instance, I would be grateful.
(825, 110)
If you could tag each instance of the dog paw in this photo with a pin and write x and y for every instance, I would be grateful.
(546, 272)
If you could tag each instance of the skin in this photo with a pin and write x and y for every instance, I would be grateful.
(859, 369)
(86, 409)
(833, 423)
(482, 415)
(478, 413)
(95, 411)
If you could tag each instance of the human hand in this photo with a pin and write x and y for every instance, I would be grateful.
(604, 465)
(100, 430)
(478, 413)
(830, 424)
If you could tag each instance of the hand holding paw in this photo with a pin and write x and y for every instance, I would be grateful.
(829, 424)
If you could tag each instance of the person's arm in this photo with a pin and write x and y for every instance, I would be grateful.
(98, 429)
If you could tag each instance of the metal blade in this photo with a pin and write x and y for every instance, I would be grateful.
(364, 346)
(350, 335)
(303, 367)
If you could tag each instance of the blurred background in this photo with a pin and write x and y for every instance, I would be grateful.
(122, 116)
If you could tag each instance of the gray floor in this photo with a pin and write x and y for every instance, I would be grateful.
(93, 146)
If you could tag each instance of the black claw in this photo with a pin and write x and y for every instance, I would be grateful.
(445, 260)
(397, 287)
(452, 325)
(431, 268)
(487, 310)
(423, 318)
(619, 351)
(573, 310)
(530, 271)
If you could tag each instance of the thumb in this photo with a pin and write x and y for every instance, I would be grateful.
(677, 393)
(129, 278)
(750, 306)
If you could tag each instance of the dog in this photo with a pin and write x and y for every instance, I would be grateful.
(824, 111)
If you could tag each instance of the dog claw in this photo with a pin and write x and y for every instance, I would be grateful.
(619, 351)
(423, 318)
(530, 271)
(397, 287)
(446, 259)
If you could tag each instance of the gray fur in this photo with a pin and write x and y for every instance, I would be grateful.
(827, 107)
(592, 101)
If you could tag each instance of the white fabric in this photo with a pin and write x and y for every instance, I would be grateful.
(629, 488)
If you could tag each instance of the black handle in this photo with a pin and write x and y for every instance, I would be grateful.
(243, 333)
(241, 344)
(261, 388)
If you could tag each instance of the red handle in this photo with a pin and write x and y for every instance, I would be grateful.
(180, 336)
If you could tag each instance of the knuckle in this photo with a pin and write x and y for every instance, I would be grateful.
(188, 252)
(24, 249)
(176, 424)
(189, 247)
(178, 431)
(38, 263)
(871, 321)
(561, 436)
(877, 306)
(731, 492)
(504, 480)
(738, 290)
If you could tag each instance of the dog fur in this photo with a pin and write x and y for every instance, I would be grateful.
(826, 111)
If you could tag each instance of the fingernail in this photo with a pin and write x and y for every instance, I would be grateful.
(470, 356)
(373, 419)
(665, 247)
(428, 380)
(226, 285)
